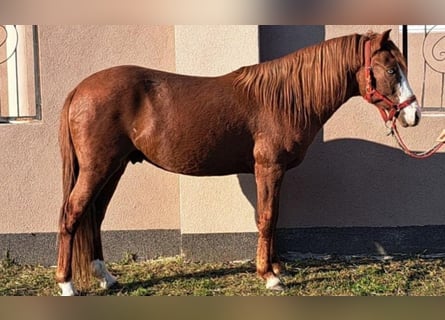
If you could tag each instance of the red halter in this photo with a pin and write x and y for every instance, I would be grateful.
(373, 92)
(394, 111)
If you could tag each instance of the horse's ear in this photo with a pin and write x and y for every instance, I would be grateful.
(385, 37)
(379, 39)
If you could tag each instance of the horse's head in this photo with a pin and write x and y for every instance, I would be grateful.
(383, 81)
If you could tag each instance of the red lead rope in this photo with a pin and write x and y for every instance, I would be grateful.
(417, 155)
(394, 111)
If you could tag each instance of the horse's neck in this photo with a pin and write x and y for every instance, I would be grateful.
(331, 92)
(307, 86)
(329, 112)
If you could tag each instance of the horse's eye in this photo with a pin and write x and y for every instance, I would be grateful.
(391, 71)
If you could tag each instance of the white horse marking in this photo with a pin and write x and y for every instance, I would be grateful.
(411, 114)
(68, 289)
(100, 271)
(274, 283)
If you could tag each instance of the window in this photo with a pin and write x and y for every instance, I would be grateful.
(424, 47)
(19, 74)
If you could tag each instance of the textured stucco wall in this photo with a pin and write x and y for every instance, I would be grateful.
(147, 198)
(215, 204)
(353, 175)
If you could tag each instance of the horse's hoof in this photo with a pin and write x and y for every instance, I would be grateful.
(278, 287)
(273, 283)
(107, 280)
(108, 283)
(68, 289)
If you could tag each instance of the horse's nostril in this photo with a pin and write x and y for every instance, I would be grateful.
(417, 119)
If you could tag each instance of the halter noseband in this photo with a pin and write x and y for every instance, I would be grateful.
(373, 92)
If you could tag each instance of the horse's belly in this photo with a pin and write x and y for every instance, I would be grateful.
(200, 158)
(212, 164)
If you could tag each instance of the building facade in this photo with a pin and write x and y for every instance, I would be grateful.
(355, 193)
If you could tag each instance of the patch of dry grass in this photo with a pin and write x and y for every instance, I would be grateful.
(177, 276)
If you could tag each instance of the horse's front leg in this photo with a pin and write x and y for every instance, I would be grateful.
(268, 179)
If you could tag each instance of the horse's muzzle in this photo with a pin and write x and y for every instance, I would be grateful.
(410, 116)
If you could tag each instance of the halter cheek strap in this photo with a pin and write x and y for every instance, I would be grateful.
(372, 92)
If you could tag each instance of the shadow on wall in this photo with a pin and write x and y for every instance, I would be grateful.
(353, 182)
(277, 41)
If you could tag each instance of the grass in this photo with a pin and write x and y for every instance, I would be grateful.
(176, 276)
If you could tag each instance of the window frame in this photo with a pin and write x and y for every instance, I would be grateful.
(34, 90)
(405, 31)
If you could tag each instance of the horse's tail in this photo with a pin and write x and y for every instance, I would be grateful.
(83, 244)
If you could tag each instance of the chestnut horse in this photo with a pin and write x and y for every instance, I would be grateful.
(259, 119)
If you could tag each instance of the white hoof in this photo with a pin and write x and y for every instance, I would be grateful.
(68, 289)
(273, 283)
(107, 280)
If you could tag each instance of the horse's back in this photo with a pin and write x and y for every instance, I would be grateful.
(184, 124)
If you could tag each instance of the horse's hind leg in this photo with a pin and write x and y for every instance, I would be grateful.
(98, 265)
(88, 185)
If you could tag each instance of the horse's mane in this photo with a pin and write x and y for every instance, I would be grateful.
(309, 82)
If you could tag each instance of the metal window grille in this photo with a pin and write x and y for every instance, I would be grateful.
(19, 74)
(424, 48)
